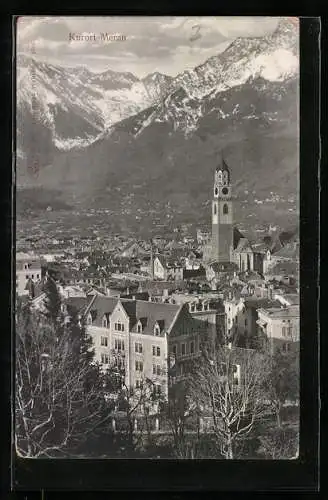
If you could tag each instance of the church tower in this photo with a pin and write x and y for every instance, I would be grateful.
(222, 216)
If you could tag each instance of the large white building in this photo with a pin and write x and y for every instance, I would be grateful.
(28, 269)
(144, 338)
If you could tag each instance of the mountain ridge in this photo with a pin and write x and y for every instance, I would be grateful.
(243, 100)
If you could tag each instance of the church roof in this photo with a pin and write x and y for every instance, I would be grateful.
(237, 235)
(244, 245)
(223, 166)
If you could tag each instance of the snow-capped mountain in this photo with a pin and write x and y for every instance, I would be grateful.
(273, 58)
(270, 59)
(75, 105)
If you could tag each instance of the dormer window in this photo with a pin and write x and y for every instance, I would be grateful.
(105, 322)
(157, 329)
(139, 327)
(89, 319)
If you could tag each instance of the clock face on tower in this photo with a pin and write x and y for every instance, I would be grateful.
(225, 191)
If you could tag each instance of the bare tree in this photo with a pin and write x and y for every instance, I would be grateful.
(282, 381)
(279, 443)
(55, 411)
(133, 408)
(227, 384)
(181, 415)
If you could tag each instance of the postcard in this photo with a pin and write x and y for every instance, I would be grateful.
(157, 238)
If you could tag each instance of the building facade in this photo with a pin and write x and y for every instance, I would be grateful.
(28, 270)
(140, 337)
(281, 326)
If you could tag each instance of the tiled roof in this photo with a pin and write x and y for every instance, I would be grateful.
(223, 266)
(32, 265)
(282, 312)
(261, 303)
(77, 304)
(163, 314)
(244, 245)
(98, 306)
(287, 267)
(136, 295)
(292, 298)
(250, 276)
(147, 312)
(289, 251)
(261, 247)
(154, 286)
(237, 235)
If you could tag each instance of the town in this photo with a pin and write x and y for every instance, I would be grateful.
(151, 308)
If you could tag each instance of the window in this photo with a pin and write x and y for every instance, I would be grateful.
(216, 191)
(156, 369)
(214, 209)
(157, 330)
(138, 347)
(104, 322)
(27, 276)
(105, 359)
(192, 347)
(119, 327)
(225, 208)
(32, 276)
(139, 384)
(183, 349)
(139, 328)
(174, 349)
(245, 322)
(119, 362)
(139, 366)
(284, 331)
(119, 345)
(89, 319)
(104, 341)
(157, 390)
(156, 351)
(286, 347)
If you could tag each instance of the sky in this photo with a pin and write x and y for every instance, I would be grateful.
(169, 45)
